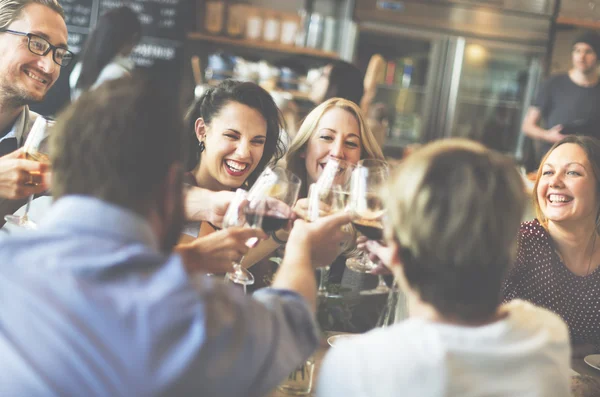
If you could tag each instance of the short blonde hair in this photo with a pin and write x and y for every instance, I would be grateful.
(369, 148)
(454, 209)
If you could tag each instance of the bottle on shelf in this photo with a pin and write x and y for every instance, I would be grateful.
(214, 16)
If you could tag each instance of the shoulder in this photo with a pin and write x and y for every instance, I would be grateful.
(534, 319)
(376, 362)
(531, 231)
(534, 243)
(558, 79)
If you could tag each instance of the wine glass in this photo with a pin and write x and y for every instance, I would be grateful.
(322, 202)
(278, 188)
(32, 151)
(328, 195)
(367, 209)
(242, 212)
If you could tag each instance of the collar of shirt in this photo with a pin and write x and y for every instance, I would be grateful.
(85, 213)
(19, 126)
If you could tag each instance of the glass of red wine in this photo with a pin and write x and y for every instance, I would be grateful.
(367, 209)
(278, 189)
(242, 212)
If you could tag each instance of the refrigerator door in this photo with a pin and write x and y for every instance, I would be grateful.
(408, 91)
(490, 90)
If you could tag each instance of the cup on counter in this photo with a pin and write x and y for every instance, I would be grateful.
(299, 381)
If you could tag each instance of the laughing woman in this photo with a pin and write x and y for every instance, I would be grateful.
(235, 135)
(335, 128)
(559, 252)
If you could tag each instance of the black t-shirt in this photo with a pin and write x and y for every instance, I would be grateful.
(577, 108)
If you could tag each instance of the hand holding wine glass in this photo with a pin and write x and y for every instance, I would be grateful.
(17, 175)
(367, 210)
(242, 212)
(32, 151)
(278, 188)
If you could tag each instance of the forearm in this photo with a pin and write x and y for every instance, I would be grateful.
(188, 255)
(297, 274)
(196, 208)
(264, 249)
(535, 132)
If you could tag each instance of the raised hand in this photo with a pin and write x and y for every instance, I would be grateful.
(216, 252)
(20, 178)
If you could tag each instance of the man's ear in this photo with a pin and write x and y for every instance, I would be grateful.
(200, 129)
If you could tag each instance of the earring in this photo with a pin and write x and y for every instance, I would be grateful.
(202, 146)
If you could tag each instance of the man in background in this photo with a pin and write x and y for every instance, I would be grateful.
(33, 44)
(95, 304)
(568, 103)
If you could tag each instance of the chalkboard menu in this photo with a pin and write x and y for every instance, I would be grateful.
(163, 26)
(160, 48)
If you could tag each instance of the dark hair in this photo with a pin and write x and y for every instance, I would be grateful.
(345, 81)
(115, 29)
(246, 93)
(117, 143)
(454, 209)
(590, 38)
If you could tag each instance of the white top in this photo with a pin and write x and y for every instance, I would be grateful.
(119, 67)
(526, 354)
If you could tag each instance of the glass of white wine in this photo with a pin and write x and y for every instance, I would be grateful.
(31, 150)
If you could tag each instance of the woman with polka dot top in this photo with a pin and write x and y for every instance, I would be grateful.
(559, 252)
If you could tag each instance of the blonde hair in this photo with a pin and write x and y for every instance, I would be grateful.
(591, 147)
(454, 209)
(369, 148)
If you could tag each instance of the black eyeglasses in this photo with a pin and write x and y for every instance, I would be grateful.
(40, 46)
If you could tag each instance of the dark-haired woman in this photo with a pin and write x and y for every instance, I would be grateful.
(105, 54)
(235, 134)
(338, 80)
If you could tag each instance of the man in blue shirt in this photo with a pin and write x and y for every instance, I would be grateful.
(95, 304)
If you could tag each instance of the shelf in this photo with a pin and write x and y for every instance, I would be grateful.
(489, 102)
(584, 23)
(417, 89)
(263, 45)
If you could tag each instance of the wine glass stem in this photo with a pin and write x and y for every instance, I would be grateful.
(25, 217)
(237, 267)
(322, 275)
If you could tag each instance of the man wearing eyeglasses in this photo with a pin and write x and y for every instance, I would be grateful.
(33, 48)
